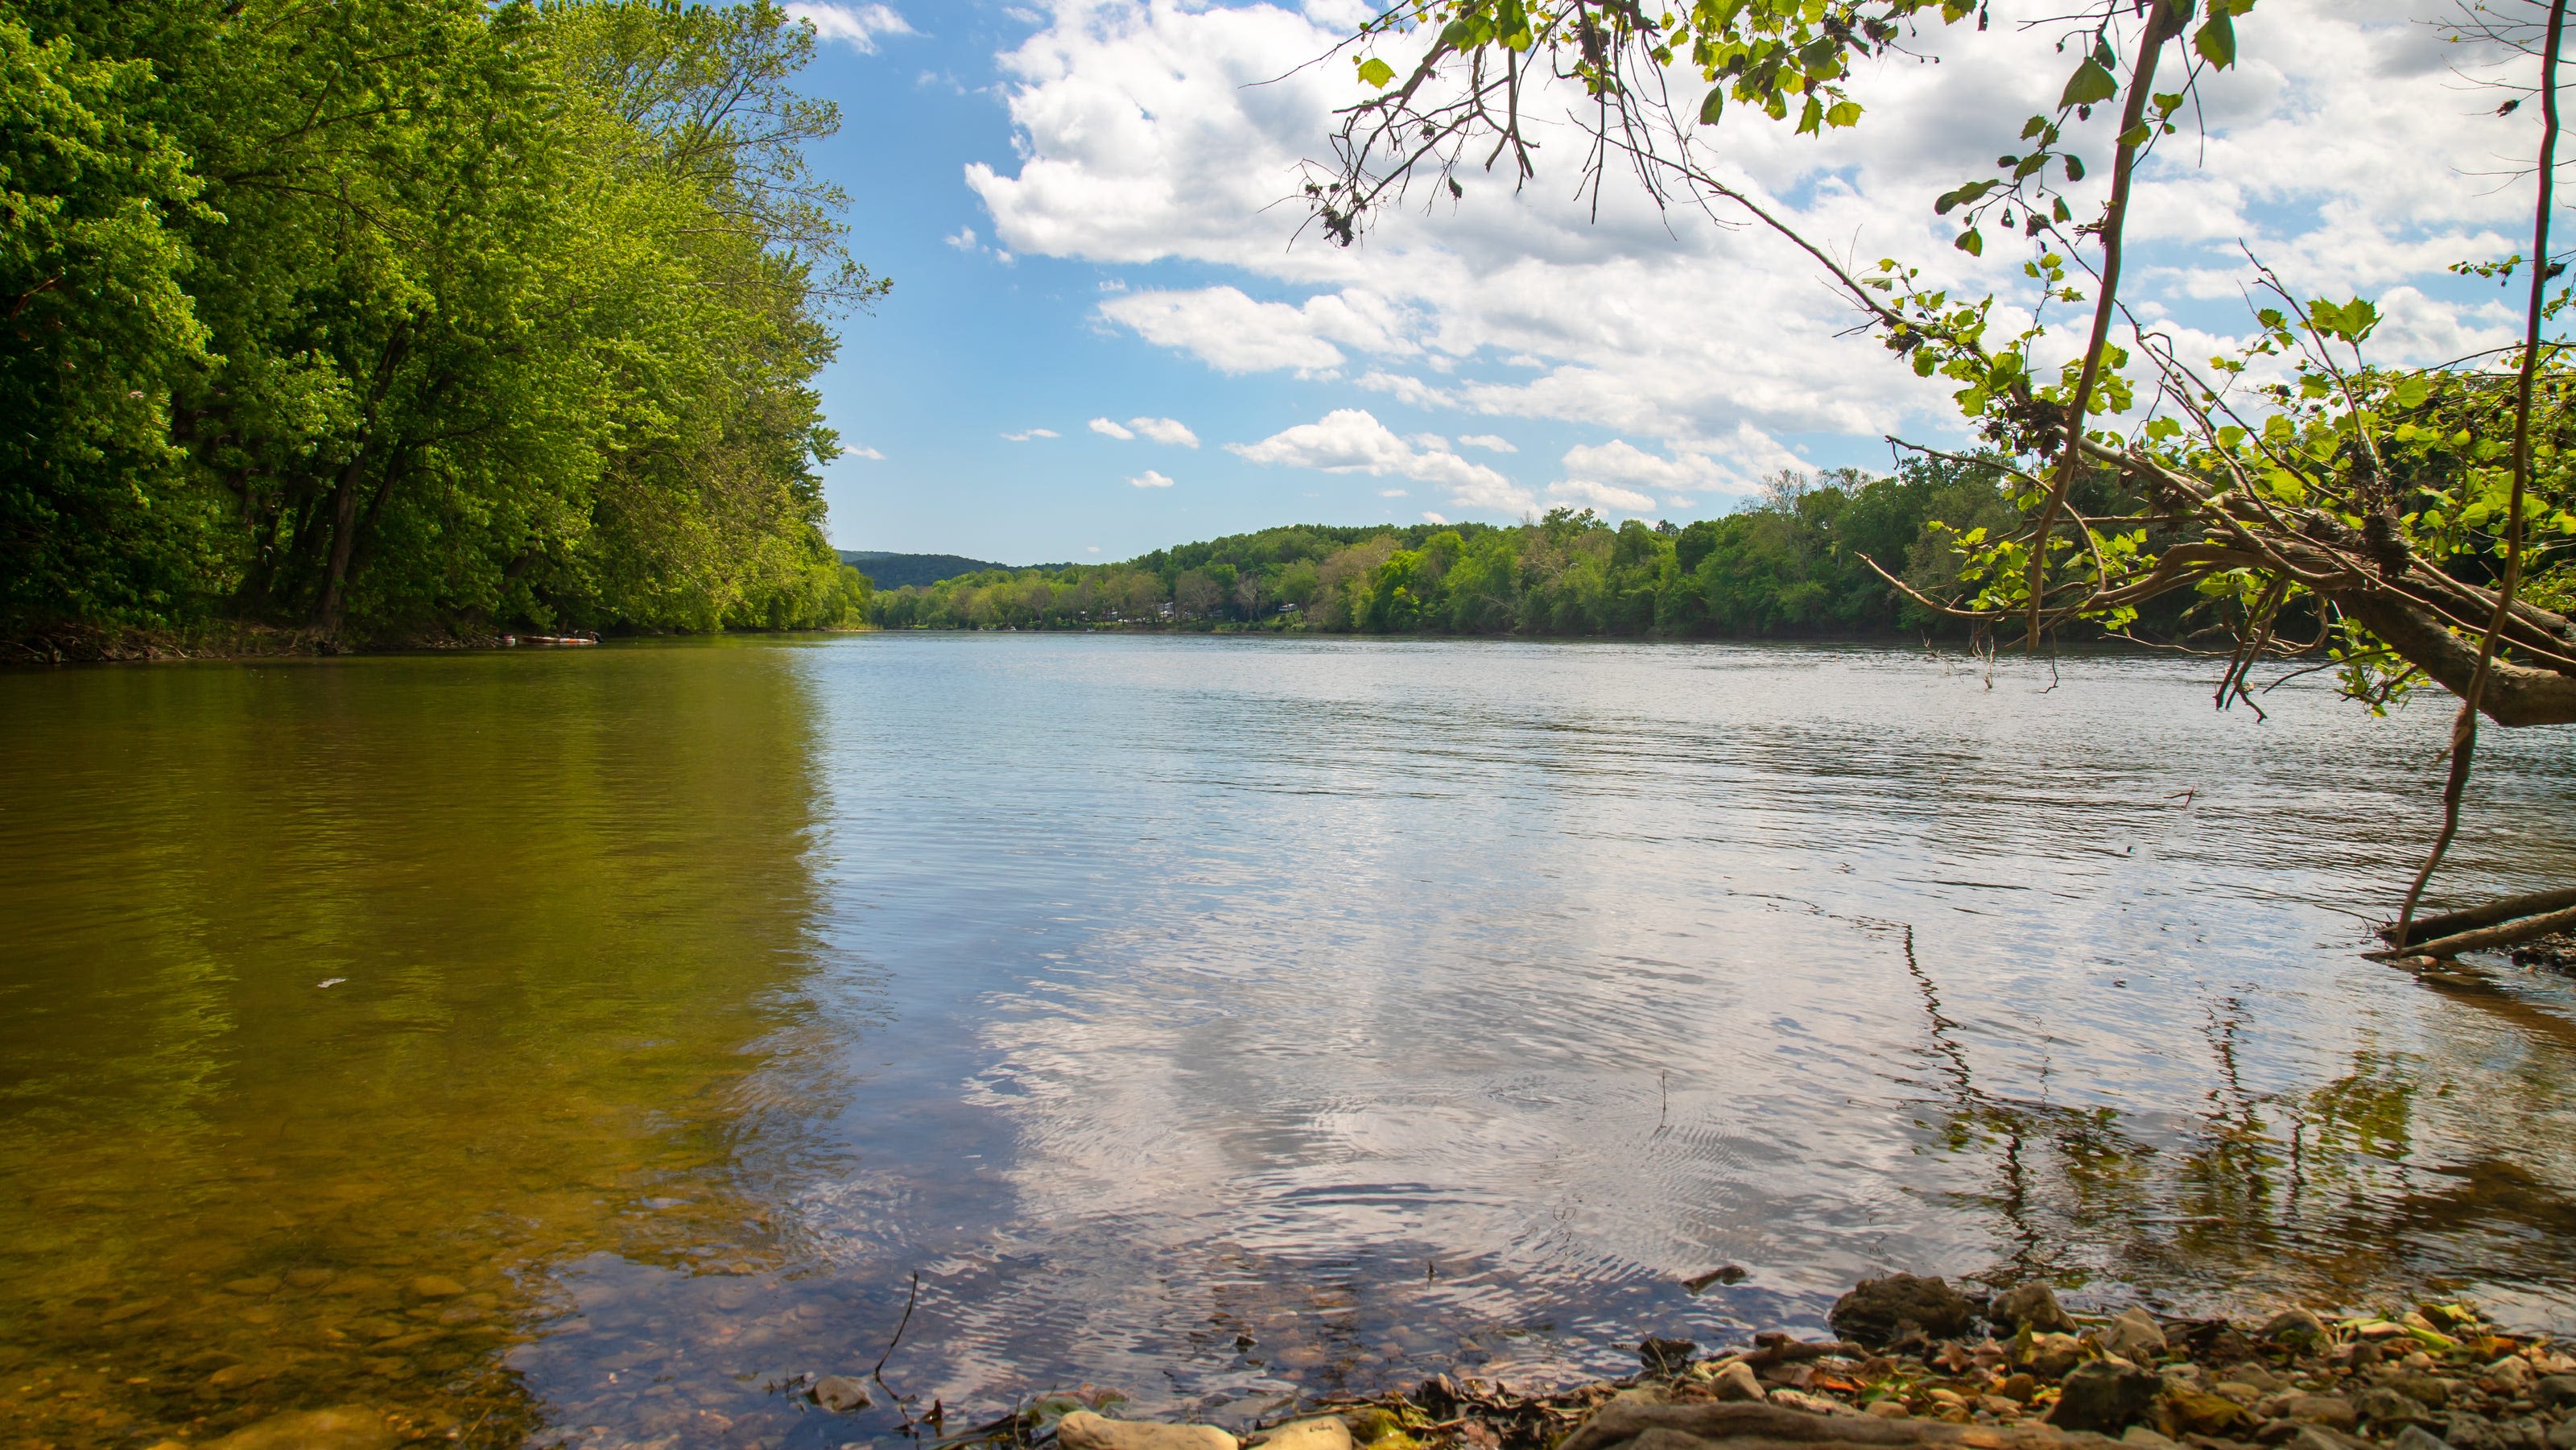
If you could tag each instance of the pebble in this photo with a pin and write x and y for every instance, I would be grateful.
(2207, 1414)
(2052, 1355)
(1736, 1382)
(2553, 1390)
(2384, 1405)
(2416, 1437)
(1320, 1432)
(2134, 1336)
(2332, 1411)
(2104, 1398)
(2293, 1327)
(1083, 1430)
(349, 1427)
(436, 1286)
(2034, 1305)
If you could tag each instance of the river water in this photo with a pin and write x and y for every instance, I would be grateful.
(577, 1047)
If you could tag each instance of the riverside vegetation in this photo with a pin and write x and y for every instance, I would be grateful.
(402, 319)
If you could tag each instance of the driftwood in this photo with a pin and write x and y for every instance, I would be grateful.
(2452, 923)
(2486, 938)
(1743, 1426)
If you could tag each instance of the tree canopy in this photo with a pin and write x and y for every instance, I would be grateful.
(413, 316)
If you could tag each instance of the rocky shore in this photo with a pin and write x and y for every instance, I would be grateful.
(1920, 1364)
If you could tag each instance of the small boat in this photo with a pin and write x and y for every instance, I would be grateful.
(558, 638)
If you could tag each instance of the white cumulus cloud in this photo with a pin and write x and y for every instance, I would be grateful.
(1024, 437)
(1112, 430)
(1165, 430)
(1602, 495)
(853, 25)
(865, 452)
(1492, 443)
(1352, 440)
(1155, 131)
(1150, 479)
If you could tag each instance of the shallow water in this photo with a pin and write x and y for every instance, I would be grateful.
(1217, 1020)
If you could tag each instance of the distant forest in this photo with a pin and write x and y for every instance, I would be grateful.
(897, 571)
(1794, 562)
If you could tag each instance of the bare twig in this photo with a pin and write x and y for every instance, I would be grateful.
(2464, 731)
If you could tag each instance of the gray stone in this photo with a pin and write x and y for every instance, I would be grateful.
(2135, 1336)
(2146, 1439)
(2104, 1398)
(2050, 1355)
(2383, 1406)
(2513, 1373)
(2564, 1436)
(2034, 1305)
(347, 1427)
(1810, 1404)
(1083, 1430)
(2416, 1437)
(2293, 1326)
(2318, 1437)
(2552, 1390)
(1875, 1310)
(841, 1393)
(1736, 1382)
(2426, 1388)
(2332, 1411)
(1319, 1432)
(2471, 1432)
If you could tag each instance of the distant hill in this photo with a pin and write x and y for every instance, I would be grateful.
(894, 571)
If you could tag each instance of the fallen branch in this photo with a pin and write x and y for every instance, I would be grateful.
(2428, 928)
(2488, 938)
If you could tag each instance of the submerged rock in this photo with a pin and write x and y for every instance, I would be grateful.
(349, 1427)
(1083, 1430)
(1665, 1356)
(841, 1393)
(1875, 1311)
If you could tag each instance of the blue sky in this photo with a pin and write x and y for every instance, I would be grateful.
(1113, 168)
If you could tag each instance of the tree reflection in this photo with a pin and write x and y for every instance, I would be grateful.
(568, 906)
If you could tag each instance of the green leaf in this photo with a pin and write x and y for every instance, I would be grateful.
(2411, 392)
(2074, 168)
(2090, 85)
(2137, 135)
(1377, 72)
(1971, 242)
(2216, 39)
(1843, 113)
(1713, 107)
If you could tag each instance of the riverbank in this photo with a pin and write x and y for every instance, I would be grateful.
(1920, 1363)
(231, 641)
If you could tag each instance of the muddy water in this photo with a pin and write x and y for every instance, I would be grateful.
(580, 1047)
